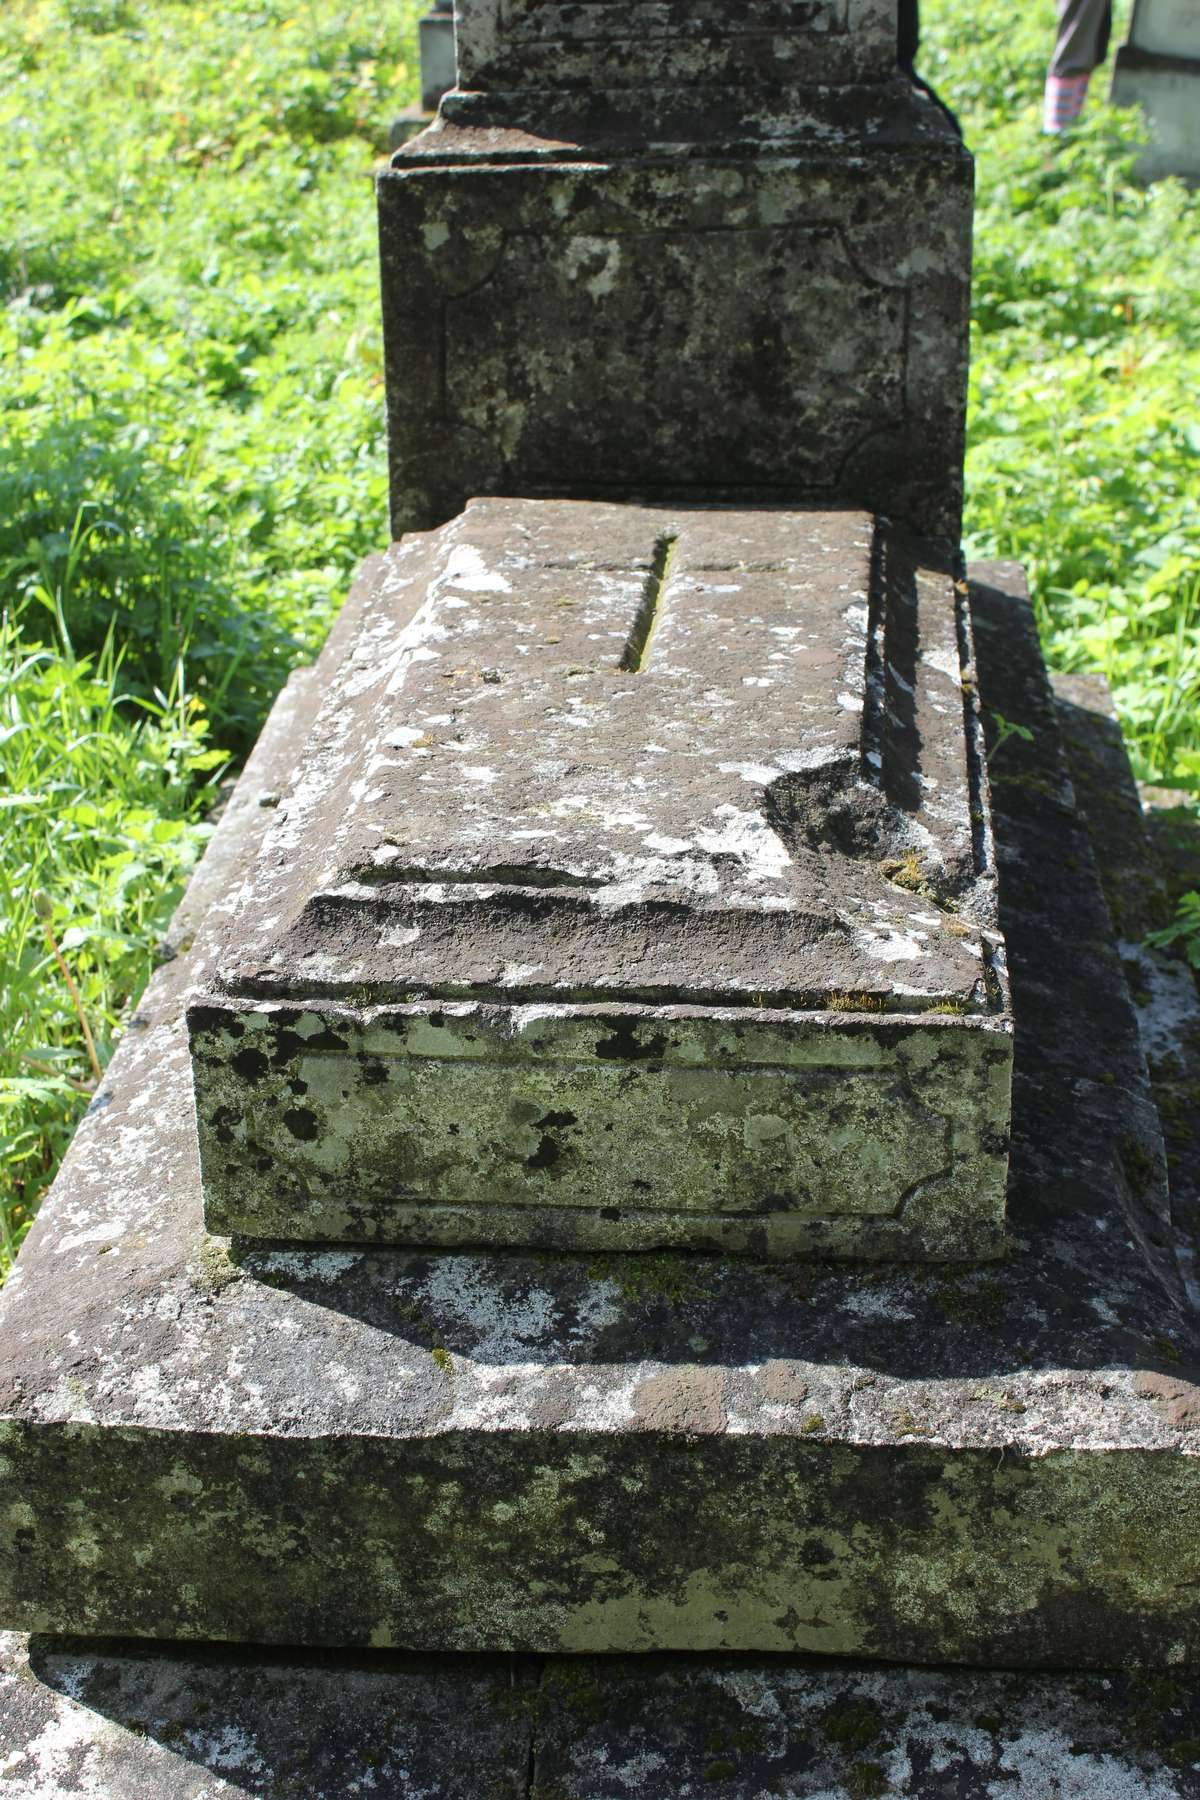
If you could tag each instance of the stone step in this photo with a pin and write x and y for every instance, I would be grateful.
(542, 1453)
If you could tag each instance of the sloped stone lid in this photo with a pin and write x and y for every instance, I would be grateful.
(586, 752)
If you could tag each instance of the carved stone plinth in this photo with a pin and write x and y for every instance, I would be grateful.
(669, 252)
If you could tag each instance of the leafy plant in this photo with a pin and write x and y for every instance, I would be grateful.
(1184, 931)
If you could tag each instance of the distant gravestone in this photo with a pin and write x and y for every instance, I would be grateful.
(435, 36)
(672, 251)
(435, 75)
(1159, 69)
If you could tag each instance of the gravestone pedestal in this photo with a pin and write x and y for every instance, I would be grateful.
(635, 876)
(693, 257)
(1159, 69)
(530, 1451)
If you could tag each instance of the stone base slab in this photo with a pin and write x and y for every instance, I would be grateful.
(517, 1452)
(128, 1721)
(634, 890)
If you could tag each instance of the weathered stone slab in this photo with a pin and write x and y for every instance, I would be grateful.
(1138, 870)
(123, 1721)
(635, 890)
(569, 313)
(538, 1452)
(129, 1721)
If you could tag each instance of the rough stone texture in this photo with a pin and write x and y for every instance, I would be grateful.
(613, 823)
(121, 1721)
(113, 1721)
(574, 309)
(702, 46)
(1159, 69)
(1140, 874)
(1133, 880)
(540, 1452)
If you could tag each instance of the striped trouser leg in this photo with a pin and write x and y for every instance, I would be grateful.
(1080, 45)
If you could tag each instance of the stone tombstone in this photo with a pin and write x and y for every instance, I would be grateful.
(635, 890)
(435, 37)
(678, 251)
(1159, 69)
(629, 876)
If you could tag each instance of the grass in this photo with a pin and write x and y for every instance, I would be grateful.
(1084, 444)
(193, 456)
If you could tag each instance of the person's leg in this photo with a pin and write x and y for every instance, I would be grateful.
(1081, 44)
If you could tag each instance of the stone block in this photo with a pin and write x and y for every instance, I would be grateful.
(635, 889)
(435, 38)
(1168, 92)
(1166, 28)
(127, 1721)
(1159, 70)
(571, 313)
(604, 46)
(529, 1452)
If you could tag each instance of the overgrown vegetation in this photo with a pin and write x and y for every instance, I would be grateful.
(193, 458)
(1084, 448)
(191, 464)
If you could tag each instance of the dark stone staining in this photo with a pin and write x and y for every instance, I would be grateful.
(223, 1122)
(290, 1047)
(302, 1124)
(250, 1064)
(546, 1154)
(626, 1046)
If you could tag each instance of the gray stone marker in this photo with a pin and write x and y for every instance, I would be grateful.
(1159, 69)
(679, 250)
(435, 40)
(435, 36)
(676, 254)
(635, 889)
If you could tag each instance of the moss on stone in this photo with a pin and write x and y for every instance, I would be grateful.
(213, 1269)
(720, 1770)
(866, 1781)
(979, 1304)
(674, 1278)
(855, 1726)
